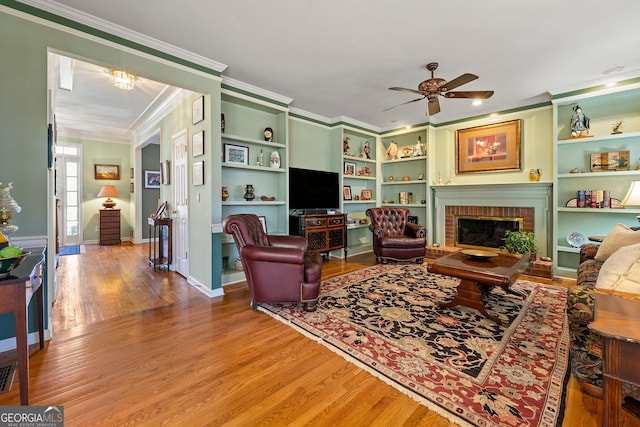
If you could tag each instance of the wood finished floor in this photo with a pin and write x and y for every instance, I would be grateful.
(134, 347)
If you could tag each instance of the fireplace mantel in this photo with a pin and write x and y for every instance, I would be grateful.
(535, 195)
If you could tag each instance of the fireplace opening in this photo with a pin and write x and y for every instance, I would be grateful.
(484, 232)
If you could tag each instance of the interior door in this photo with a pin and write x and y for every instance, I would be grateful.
(180, 197)
(68, 184)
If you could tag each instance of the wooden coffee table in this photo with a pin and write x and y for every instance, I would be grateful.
(477, 275)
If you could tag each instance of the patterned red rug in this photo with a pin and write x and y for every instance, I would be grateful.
(452, 360)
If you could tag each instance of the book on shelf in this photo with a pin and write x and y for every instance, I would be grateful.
(594, 199)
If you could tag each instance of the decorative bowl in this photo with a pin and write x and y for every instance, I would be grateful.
(8, 264)
(576, 239)
(480, 254)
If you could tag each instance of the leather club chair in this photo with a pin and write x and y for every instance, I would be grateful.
(394, 237)
(278, 268)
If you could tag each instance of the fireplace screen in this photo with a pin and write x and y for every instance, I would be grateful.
(484, 232)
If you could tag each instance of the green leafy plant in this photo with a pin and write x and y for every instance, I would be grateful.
(520, 242)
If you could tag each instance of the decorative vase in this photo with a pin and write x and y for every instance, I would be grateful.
(275, 160)
(248, 193)
(535, 174)
(225, 194)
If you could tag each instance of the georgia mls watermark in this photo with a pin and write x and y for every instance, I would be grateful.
(31, 416)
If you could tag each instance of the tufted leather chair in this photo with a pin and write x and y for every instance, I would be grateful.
(278, 268)
(394, 237)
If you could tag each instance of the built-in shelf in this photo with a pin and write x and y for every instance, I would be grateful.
(255, 141)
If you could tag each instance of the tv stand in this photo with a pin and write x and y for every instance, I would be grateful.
(324, 232)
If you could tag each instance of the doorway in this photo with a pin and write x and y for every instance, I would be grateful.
(68, 183)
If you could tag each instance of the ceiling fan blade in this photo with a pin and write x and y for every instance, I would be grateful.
(459, 81)
(408, 102)
(403, 89)
(433, 106)
(479, 94)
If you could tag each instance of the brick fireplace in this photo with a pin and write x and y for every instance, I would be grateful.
(529, 201)
(452, 213)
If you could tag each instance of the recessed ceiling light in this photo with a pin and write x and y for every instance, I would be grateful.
(613, 70)
(477, 102)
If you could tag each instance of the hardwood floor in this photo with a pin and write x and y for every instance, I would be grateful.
(134, 347)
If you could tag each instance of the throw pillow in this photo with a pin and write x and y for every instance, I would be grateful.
(621, 271)
(619, 236)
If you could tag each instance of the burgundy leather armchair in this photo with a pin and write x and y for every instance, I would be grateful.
(278, 268)
(394, 237)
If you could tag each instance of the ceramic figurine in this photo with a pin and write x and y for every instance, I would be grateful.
(418, 151)
(392, 151)
(345, 145)
(579, 123)
(366, 149)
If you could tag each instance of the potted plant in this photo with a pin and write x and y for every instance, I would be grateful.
(520, 242)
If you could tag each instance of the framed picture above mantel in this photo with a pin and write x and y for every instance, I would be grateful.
(489, 148)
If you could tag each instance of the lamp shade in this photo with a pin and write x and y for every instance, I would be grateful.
(633, 195)
(108, 191)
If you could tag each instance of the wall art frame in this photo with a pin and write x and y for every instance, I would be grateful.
(496, 147)
(106, 172)
(237, 154)
(165, 172)
(197, 110)
(152, 179)
(197, 143)
(198, 173)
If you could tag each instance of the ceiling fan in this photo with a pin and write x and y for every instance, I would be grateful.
(434, 87)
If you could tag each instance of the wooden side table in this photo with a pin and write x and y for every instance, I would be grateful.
(617, 320)
(15, 294)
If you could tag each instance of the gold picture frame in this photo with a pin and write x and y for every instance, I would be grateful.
(489, 148)
(108, 172)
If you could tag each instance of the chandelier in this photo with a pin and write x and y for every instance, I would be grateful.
(123, 80)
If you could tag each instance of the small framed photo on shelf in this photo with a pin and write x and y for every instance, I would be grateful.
(237, 154)
(349, 168)
(365, 195)
(197, 143)
(198, 173)
(346, 192)
(151, 179)
(197, 110)
(263, 221)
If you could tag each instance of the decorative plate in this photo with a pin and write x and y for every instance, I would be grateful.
(477, 253)
(576, 239)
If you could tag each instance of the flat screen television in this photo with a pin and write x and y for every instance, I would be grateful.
(313, 190)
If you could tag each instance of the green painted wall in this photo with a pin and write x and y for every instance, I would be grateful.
(311, 146)
(24, 46)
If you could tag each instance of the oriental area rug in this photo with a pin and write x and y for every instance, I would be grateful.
(456, 362)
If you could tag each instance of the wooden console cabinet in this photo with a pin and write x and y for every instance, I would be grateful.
(324, 232)
(109, 226)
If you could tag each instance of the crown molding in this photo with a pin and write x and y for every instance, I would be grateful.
(250, 89)
(122, 32)
(348, 121)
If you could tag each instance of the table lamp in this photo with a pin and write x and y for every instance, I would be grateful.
(108, 191)
(633, 196)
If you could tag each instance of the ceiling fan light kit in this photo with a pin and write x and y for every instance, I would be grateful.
(435, 86)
